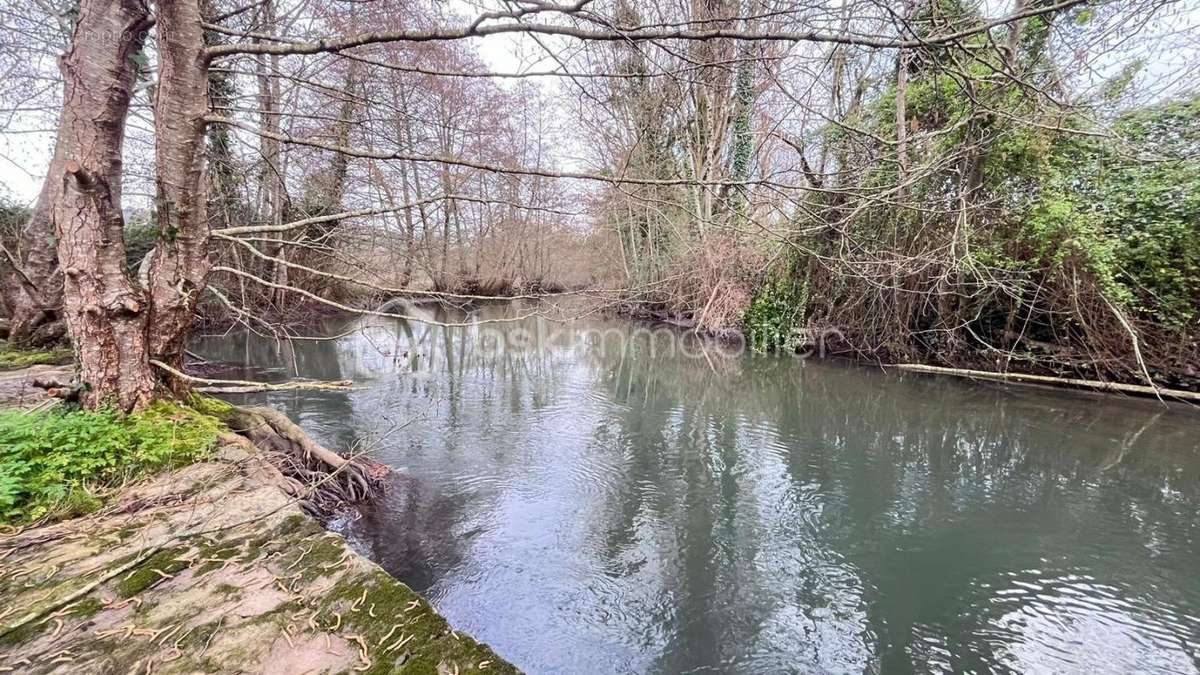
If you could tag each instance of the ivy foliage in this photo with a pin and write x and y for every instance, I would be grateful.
(12, 217)
(1134, 219)
(774, 321)
(1057, 203)
(58, 464)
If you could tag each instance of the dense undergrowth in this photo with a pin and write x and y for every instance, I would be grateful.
(1003, 230)
(1080, 234)
(62, 463)
(775, 318)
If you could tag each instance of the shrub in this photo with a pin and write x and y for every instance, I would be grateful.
(141, 235)
(774, 320)
(58, 464)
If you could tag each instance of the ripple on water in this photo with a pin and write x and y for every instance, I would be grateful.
(632, 513)
(1069, 621)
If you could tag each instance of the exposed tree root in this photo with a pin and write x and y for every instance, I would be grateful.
(323, 480)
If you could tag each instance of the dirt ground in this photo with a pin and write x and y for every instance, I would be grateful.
(18, 391)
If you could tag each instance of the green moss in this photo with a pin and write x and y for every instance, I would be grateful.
(214, 556)
(367, 603)
(32, 629)
(200, 636)
(19, 636)
(293, 547)
(87, 608)
(292, 524)
(147, 574)
(207, 405)
(254, 547)
(78, 502)
(12, 359)
(394, 603)
(131, 653)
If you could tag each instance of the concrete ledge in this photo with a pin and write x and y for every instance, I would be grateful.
(212, 568)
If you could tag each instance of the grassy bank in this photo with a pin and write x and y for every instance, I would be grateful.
(58, 464)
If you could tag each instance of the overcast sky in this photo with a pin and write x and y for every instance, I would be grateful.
(26, 145)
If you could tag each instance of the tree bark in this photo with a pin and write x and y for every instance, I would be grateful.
(902, 64)
(339, 167)
(180, 262)
(105, 311)
(273, 187)
(30, 279)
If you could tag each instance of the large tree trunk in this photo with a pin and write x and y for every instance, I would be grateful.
(340, 165)
(30, 279)
(106, 313)
(38, 321)
(180, 263)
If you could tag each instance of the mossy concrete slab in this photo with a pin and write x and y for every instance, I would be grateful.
(213, 568)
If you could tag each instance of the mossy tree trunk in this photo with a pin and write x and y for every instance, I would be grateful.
(105, 311)
(180, 264)
(117, 325)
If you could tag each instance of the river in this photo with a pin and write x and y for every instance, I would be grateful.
(600, 497)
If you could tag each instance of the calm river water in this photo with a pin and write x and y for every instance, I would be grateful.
(595, 497)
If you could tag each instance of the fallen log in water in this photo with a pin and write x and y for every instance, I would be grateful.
(1026, 378)
(211, 386)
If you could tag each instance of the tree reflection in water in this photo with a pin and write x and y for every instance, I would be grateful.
(588, 501)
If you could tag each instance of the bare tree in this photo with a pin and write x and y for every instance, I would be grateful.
(852, 152)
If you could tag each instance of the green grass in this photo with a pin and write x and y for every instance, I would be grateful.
(12, 359)
(58, 464)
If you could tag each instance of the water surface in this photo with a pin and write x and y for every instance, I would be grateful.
(587, 498)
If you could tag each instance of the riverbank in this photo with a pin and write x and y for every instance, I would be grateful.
(213, 567)
(1179, 384)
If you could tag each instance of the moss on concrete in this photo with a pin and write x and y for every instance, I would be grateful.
(159, 567)
(233, 578)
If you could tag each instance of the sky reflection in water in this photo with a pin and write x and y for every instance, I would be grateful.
(591, 502)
